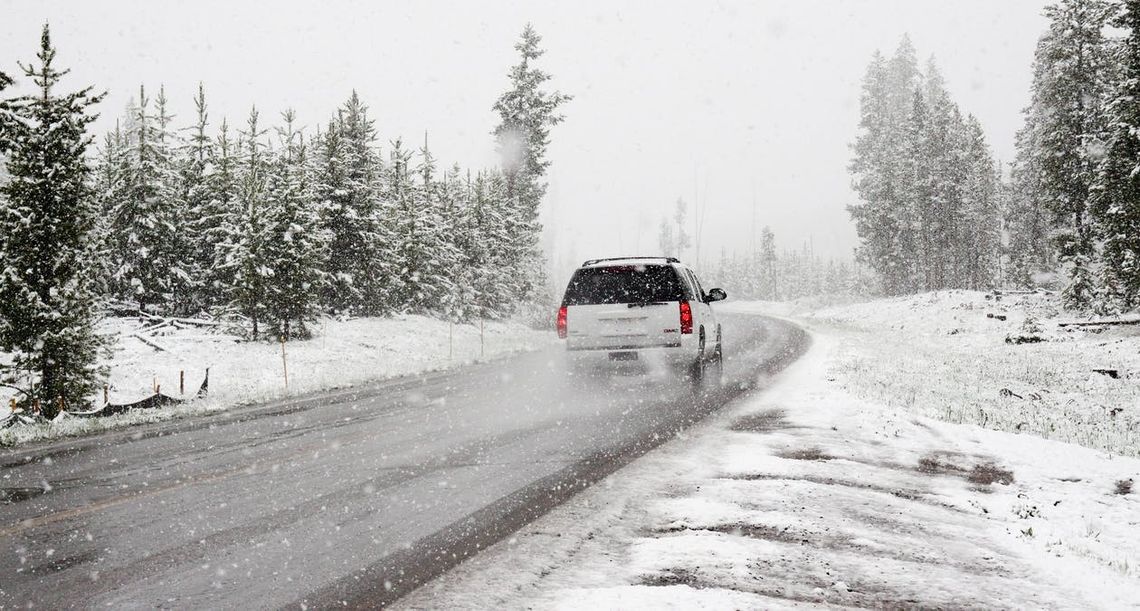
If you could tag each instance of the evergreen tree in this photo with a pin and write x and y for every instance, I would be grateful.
(1117, 201)
(147, 246)
(912, 211)
(48, 212)
(926, 183)
(108, 180)
(497, 287)
(978, 246)
(246, 255)
(454, 197)
(293, 244)
(7, 119)
(1026, 218)
(1068, 94)
(205, 212)
(173, 193)
(942, 214)
(216, 224)
(526, 112)
(348, 184)
(883, 215)
(430, 271)
(768, 287)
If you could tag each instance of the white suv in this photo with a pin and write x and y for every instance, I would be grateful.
(649, 311)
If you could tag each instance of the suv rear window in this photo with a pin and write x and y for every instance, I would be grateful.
(623, 284)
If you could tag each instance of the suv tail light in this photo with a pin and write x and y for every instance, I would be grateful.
(686, 318)
(562, 322)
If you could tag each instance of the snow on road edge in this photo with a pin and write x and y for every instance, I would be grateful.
(805, 495)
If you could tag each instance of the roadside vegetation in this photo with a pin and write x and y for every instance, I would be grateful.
(261, 230)
(962, 356)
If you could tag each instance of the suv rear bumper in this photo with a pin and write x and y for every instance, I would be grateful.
(643, 358)
(570, 348)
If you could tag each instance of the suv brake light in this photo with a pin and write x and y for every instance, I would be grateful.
(686, 318)
(562, 322)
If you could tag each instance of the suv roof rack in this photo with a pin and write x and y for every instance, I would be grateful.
(593, 261)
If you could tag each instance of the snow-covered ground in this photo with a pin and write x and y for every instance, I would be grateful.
(945, 355)
(810, 495)
(343, 353)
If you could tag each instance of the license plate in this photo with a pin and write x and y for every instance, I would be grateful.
(623, 356)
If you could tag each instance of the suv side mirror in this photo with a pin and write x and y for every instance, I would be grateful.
(716, 295)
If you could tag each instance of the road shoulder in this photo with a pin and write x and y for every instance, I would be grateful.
(804, 495)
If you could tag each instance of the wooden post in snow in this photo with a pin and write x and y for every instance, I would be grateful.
(284, 362)
(480, 337)
(450, 338)
(181, 381)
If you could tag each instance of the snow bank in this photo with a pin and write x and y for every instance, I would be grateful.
(806, 495)
(946, 355)
(343, 353)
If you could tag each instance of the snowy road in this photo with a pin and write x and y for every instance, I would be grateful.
(357, 496)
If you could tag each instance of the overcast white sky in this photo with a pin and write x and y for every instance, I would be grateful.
(716, 100)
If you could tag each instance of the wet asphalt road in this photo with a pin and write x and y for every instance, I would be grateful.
(344, 498)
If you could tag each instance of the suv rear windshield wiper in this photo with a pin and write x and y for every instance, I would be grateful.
(646, 303)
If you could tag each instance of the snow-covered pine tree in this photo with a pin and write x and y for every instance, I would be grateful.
(181, 273)
(246, 253)
(146, 244)
(439, 253)
(1026, 219)
(941, 215)
(912, 212)
(107, 185)
(416, 232)
(882, 217)
(499, 286)
(218, 221)
(338, 219)
(7, 119)
(482, 236)
(48, 305)
(1070, 88)
(527, 112)
(348, 186)
(293, 243)
(455, 202)
(1116, 202)
(666, 241)
(204, 215)
(671, 237)
(769, 288)
(978, 245)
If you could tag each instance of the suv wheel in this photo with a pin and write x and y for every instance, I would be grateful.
(697, 370)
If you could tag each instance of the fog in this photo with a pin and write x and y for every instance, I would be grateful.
(745, 110)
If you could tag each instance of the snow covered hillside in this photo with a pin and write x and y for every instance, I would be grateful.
(342, 353)
(956, 356)
(807, 494)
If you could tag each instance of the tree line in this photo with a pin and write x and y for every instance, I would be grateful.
(269, 224)
(934, 212)
(771, 274)
(929, 214)
(1074, 193)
